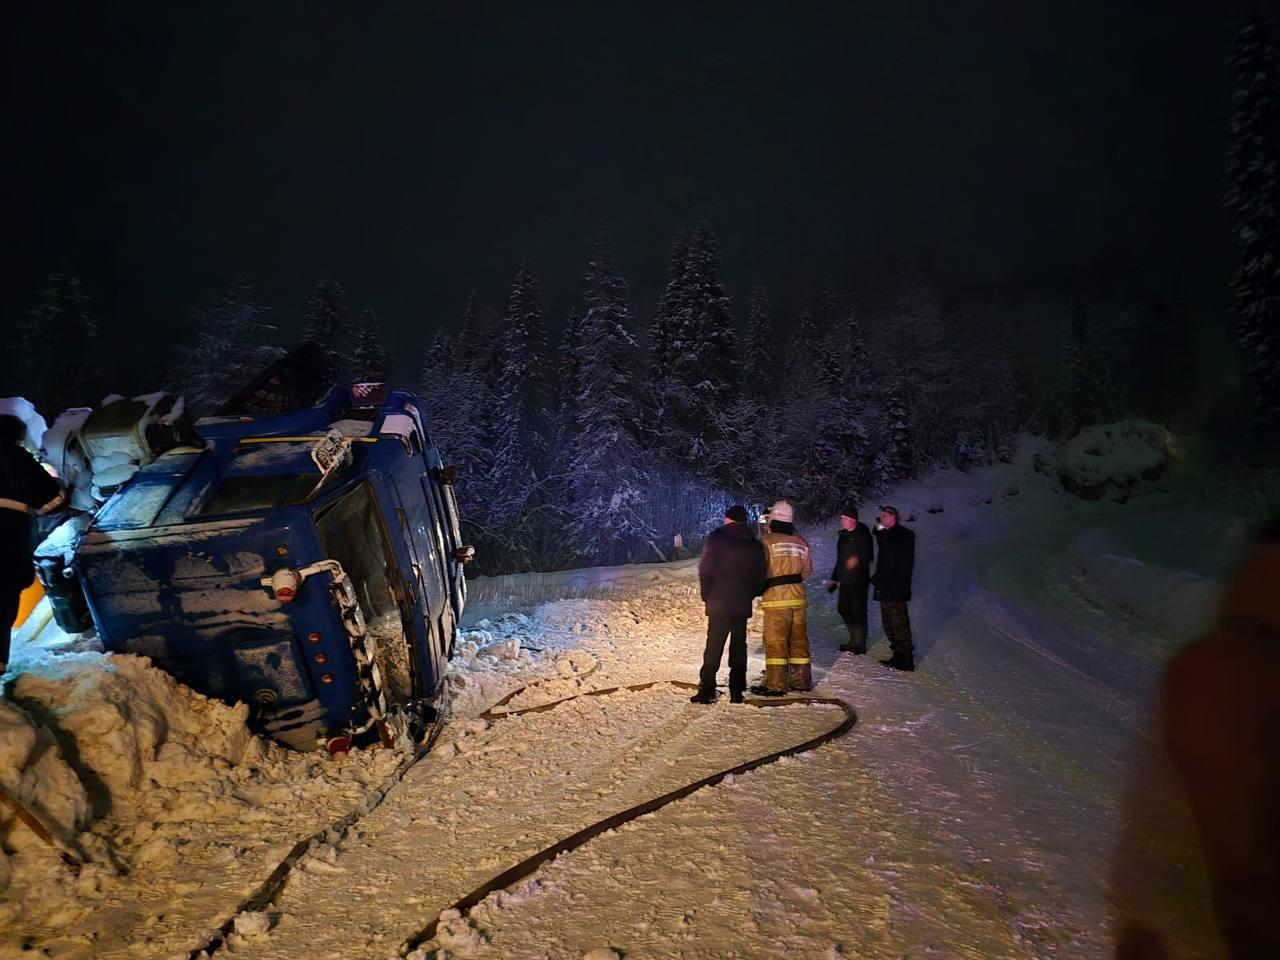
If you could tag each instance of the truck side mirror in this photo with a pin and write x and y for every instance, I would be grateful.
(464, 554)
(448, 475)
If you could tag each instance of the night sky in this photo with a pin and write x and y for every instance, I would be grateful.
(415, 153)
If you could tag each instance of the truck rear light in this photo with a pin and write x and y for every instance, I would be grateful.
(326, 678)
(321, 658)
(313, 637)
(338, 746)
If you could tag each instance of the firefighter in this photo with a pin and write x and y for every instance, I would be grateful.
(26, 491)
(786, 645)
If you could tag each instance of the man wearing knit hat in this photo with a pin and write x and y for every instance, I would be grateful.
(731, 574)
(786, 644)
(892, 580)
(852, 574)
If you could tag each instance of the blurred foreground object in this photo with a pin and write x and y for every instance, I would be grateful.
(1223, 700)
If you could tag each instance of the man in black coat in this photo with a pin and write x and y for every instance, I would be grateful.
(25, 490)
(852, 574)
(892, 580)
(732, 573)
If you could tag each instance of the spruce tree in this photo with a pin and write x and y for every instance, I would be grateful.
(229, 350)
(371, 361)
(704, 372)
(758, 367)
(518, 414)
(1253, 198)
(57, 354)
(609, 470)
(1091, 394)
(326, 322)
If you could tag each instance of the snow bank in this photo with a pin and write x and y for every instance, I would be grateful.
(1179, 603)
(144, 777)
(948, 489)
(1116, 460)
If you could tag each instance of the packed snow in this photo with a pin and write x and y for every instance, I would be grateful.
(975, 810)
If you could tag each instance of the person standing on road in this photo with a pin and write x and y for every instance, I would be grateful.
(892, 580)
(731, 574)
(786, 644)
(26, 490)
(852, 575)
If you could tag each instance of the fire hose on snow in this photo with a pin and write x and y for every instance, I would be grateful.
(275, 883)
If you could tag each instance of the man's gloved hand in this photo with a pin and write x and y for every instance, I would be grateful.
(831, 586)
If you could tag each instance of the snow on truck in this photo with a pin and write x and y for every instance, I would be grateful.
(308, 562)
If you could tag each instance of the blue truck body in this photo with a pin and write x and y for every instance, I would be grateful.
(179, 566)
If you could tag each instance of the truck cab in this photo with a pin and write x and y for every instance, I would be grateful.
(308, 563)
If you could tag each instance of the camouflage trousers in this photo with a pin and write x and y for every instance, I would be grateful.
(897, 626)
(786, 649)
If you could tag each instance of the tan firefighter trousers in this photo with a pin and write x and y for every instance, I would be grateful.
(786, 646)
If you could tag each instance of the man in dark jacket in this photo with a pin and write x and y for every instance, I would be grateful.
(852, 574)
(25, 490)
(892, 580)
(731, 573)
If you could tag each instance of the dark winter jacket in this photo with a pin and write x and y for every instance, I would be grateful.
(854, 552)
(732, 571)
(27, 487)
(897, 550)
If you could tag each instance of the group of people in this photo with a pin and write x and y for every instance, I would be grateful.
(736, 567)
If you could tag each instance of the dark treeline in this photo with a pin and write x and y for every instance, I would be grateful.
(602, 443)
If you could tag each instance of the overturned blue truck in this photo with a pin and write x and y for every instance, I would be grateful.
(307, 562)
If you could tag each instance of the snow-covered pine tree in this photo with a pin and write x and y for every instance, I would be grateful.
(1253, 197)
(525, 366)
(228, 351)
(664, 334)
(706, 367)
(517, 439)
(326, 321)
(665, 396)
(609, 469)
(371, 361)
(1090, 384)
(803, 356)
(893, 461)
(56, 355)
(759, 361)
(461, 411)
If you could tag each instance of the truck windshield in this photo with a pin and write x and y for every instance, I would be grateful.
(238, 493)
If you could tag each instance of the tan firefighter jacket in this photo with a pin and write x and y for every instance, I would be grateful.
(790, 564)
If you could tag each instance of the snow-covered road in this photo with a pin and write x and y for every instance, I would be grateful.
(972, 811)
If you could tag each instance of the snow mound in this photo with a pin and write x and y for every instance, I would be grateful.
(137, 775)
(1179, 603)
(1116, 460)
(944, 488)
(25, 411)
(132, 726)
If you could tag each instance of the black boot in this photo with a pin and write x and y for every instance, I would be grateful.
(857, 640)
(760, 690)
(899, 661)
(735, 696)
(703, 696)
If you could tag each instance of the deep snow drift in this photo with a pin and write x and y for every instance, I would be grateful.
(974, 811)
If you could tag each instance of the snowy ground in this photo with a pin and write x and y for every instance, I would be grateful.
(972, 812)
